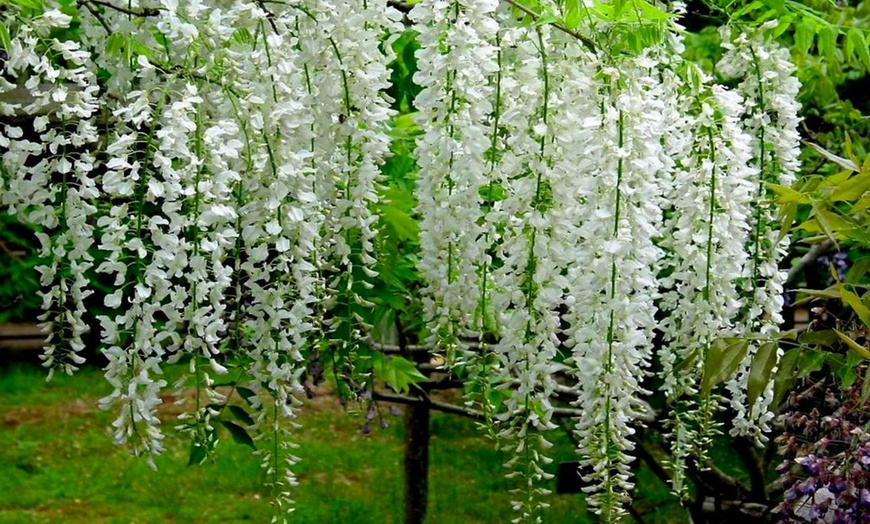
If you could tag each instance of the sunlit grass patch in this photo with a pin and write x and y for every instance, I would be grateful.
(58, 464)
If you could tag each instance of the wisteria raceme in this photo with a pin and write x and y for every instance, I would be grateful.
(455, 106)
(57, 192)
(770, 88)
(528, 284)
(280, 220)
(713, 188)
(344, 64)
(612, 340)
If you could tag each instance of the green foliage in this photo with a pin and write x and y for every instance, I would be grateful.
(763, 363)
(398, 372)
(403, 89)
(239, 434)
(19, 283)
(835, 205)
(31, 6)
(829, 45)
(5, 42)
(835, 210)
(723, 358)
(398, 243)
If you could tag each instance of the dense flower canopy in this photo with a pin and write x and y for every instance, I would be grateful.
(592, 209)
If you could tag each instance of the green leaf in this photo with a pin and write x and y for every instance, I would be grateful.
(830, 292)
(30, 4)
(810, 362)
(854, 301)
(848, 376)
(687, 362)
(853, 188)
(246, 394)
(824, 219)
(785, 374)
(849, 45)
(723, 357)
(573, 14)
(781, 27)
(752, 6)
(404, 226)
(760, 371)
(242, 36)
(826, 337)
(239, 434)
(861, 205)
(399, 373)
(115, 44)
(650, 12)
(546, 18)
(787, 216)
(787, 195)
(241, 415)
(863, 50)
(5, 41)
(776, 5)
(858, 271)
(854, 346)
(845, 163)
(828, 43)
(603, 11)
(198, 454)
(836, 179)
(804, 35)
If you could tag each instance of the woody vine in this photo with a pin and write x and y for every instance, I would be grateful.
(593, 213)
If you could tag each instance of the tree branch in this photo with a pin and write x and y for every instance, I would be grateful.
(814, 253)
(586, 41)
(433, 404)
(96, 14)
(459, 410)
(144, 12)
(410, 348)
(747, 454)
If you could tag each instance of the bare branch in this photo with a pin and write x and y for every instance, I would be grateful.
(460, 410)
(586, 41)
(144, 12)
(440, 406)
(410, 348)
(96, 14)
(814, 253)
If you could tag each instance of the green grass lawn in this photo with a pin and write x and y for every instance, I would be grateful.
(58, 464)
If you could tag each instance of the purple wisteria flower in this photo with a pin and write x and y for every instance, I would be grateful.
(826, 451)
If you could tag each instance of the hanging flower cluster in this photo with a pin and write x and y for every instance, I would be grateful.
(767, 82)
(229, 190)
(455, 106)
(48, 174)
(711, 194)
(629, 190)
(583, 213)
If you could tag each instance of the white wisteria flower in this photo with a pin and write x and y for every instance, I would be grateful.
(454, 112)
(769, 86)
